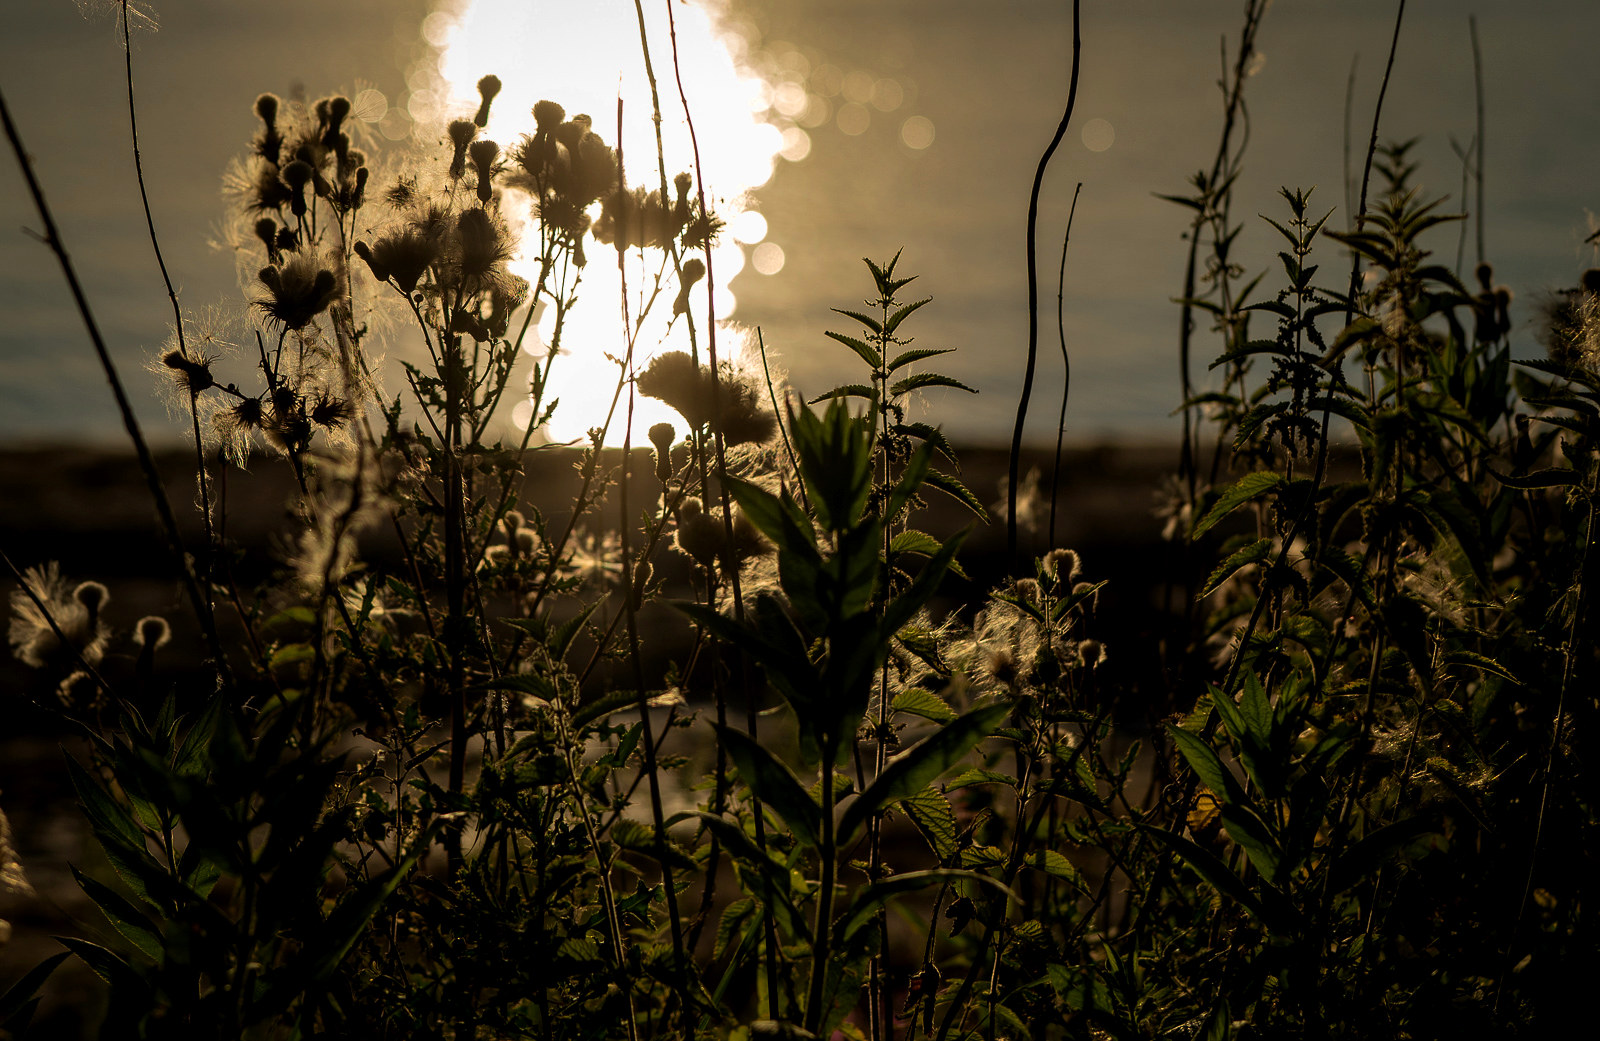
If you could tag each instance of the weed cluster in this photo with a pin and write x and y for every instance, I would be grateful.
(458, 789)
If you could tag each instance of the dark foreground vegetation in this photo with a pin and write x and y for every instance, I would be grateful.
(770, 754)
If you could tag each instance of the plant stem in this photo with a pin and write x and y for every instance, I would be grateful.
(147, 466)
(1033, 293)
(1066, 365)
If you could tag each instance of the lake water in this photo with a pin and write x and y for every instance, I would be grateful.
(988, 80)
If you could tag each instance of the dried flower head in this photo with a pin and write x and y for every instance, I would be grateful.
(674, 378)
(462, 131)
(297, 291)
(76, 630)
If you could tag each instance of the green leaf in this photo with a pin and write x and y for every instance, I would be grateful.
(864, 350)
(907, 357)
(133, 925)
(21, 994)
(1246, 489)
(920, 765)
(930, 811)
(934, 436)
(960, 492)
(919, 702)
(1056, 865)
(106, 964)
(1209, 868)
(921, 380)
(1207, 765)
(858, 390)
(866, 320)
(901, 315)
(1254, 553)
(1248, 830)
(774, 784)
(869, 898)
(912, 541)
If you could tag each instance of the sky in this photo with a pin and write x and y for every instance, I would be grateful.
(954, 103)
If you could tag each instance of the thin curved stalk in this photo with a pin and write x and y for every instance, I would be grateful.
(1066, 364)
(1033, 293)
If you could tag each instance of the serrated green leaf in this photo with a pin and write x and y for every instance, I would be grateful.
(901, 315)
(919, 702)
(922, 380)
(905, 358)
(960, 492)
(858, 390)
(920, 765)
(866, 320)
(1246, 489)
(930, 811)
(865, 351)
(1056, 865)
(1254, 553)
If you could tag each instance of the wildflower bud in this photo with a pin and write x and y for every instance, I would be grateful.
(488, 87)
(483, 155)
(338, 109)
(1485, 275)
(548, 115)
(288, 242)
(379, 272)
(267, 232)
(321, 110)
(296, 175)
(693, 271)
(360, 190)
(1591, 280)
(1503, 296)
(269, 277)
(267, 109)
(662, 435)
(462, 131)
(512, 522)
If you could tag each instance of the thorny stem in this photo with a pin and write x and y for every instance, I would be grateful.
(1033, 294)
(158, 494)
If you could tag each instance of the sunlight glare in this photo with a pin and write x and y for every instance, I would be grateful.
(582, 56)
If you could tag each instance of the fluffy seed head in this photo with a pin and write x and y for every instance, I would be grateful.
(267, 108)
(152, 632)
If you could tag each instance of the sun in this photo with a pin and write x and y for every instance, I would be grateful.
(585, 56)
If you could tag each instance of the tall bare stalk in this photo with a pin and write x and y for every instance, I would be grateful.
(1033, 293)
